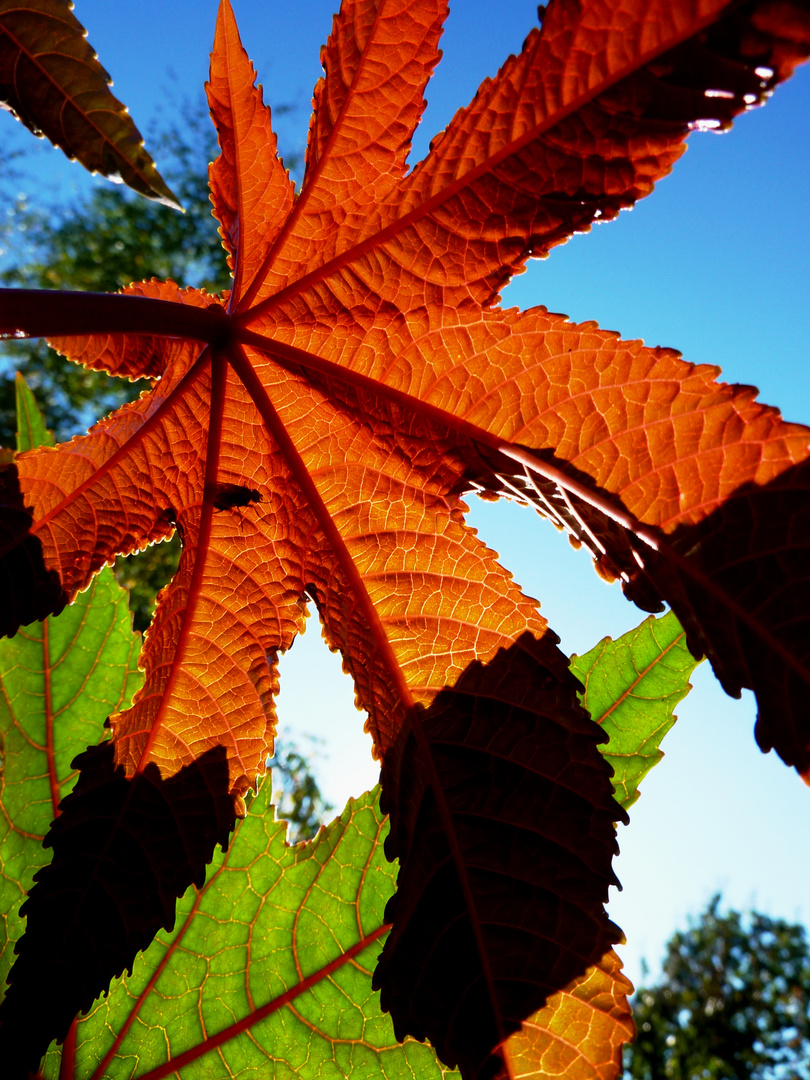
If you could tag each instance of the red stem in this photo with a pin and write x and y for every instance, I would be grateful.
(53, 313)
(67, 1062)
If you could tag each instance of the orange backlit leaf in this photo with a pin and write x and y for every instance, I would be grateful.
(580, 1032)
(356, 383)
(249, 184)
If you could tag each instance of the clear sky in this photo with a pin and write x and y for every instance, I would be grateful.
(715, 263)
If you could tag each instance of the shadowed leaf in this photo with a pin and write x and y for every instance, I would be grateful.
(502, 819)
(59, 681)
(50, 78)
(632, 686)
(754, 548)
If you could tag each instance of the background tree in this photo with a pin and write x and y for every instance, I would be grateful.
(296, 794)
(101, 243)
(734, 1003)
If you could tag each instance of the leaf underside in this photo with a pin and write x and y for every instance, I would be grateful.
(276, 950)
(360, 377)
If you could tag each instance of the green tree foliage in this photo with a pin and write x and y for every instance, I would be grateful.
(145, 574)
(296, 794)
(734, 1003)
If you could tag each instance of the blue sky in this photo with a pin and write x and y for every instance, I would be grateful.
(714, 263)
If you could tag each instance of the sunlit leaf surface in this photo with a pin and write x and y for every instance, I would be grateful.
(269, 967)
(632, 686)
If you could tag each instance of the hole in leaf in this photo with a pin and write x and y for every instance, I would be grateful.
(145, 574)
(580, 607)
(296, 792)
(316, 700)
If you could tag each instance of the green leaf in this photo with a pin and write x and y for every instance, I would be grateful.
(31, 430)
(632, 686)
(51, 80)
(268, 970)
(59, 681)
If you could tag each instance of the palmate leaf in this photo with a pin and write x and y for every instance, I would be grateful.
(310, 436)
(59, 681)
(51, 80)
